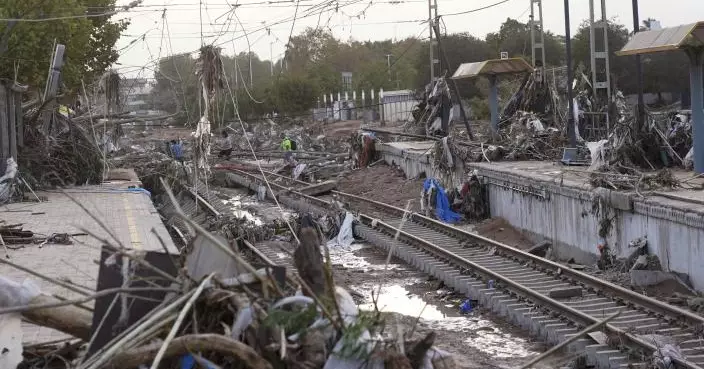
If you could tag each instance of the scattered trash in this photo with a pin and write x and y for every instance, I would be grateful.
(466, 307)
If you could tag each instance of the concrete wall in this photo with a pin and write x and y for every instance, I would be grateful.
(415, 160)
(565, 214)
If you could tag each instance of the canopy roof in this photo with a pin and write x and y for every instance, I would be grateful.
(492, 67)
(666, 39)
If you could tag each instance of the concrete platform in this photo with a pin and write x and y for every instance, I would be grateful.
(130, 216)
(550, 201)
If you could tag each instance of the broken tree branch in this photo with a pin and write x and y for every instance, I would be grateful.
(193, 343)
(59, 303)
(68, 319)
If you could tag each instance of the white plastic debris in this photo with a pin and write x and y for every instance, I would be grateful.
(598, 152)
(344, 237)
(7, 181)
(688, 160)
(536, 125)
(13, 294)
(434, 358)
(298, 170)
(348, 308)
(665, 356)
(447, 153)
(17, 294)
(261, 193)
(244, 319)
(10, 340)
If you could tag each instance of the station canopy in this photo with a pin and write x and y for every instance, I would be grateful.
(492, 67)
(666, 39)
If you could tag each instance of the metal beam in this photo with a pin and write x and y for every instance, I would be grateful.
(568, 49)
(639, 72)
(494, 103)
(696, 57)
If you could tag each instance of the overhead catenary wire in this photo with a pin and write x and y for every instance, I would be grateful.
(475, 10)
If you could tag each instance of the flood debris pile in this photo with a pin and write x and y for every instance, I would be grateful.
(224, 313)
(266, 135)
(639, 157)
(59, 153)
(535, 96)
(433, 114)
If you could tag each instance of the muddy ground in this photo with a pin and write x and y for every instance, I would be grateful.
(383, 183)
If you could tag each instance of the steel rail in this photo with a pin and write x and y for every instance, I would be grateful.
(645, 302)
(573, 314)
(519, 289)
(666, 310)
(259, 254)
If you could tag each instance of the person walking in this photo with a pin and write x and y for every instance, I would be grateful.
(287, 147)
(225, 145)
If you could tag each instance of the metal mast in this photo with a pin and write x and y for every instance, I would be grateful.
(537, 37)
(432, 16)
(601, 72)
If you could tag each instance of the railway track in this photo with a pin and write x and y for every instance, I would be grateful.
(518, 285)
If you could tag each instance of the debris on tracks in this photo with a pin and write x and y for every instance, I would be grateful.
(228, 318)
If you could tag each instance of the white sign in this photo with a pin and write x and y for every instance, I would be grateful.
(504, 55)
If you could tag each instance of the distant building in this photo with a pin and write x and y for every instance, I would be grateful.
(135, 93)
(398, 105)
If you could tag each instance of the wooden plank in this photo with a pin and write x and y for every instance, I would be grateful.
(4, 139)
(319, 188)
(110, 276)
(12, 122)
(206, 258)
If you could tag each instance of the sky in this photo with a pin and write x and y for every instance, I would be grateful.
(265, 25)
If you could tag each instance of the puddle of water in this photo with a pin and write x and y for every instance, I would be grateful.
(484, 335)
(396, 299)
(346, 257)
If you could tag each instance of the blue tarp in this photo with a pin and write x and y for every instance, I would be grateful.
(442, 204)
(177, 151)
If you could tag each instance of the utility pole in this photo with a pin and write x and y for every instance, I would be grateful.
(388, 64)
(639, 72)
(271, 59)
(432, 17)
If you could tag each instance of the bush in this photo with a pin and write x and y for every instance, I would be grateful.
(480, 108)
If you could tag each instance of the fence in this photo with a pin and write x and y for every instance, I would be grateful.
(11, 124)
(372, 106)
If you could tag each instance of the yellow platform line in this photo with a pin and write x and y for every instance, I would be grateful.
(135, 240)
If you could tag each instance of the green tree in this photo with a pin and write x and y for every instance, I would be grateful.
(514, 37)
(177, 87)
(622, 71)
(90, 42)
(294, 94)
(458, 48)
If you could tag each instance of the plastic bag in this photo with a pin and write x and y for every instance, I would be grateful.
(345, 237)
